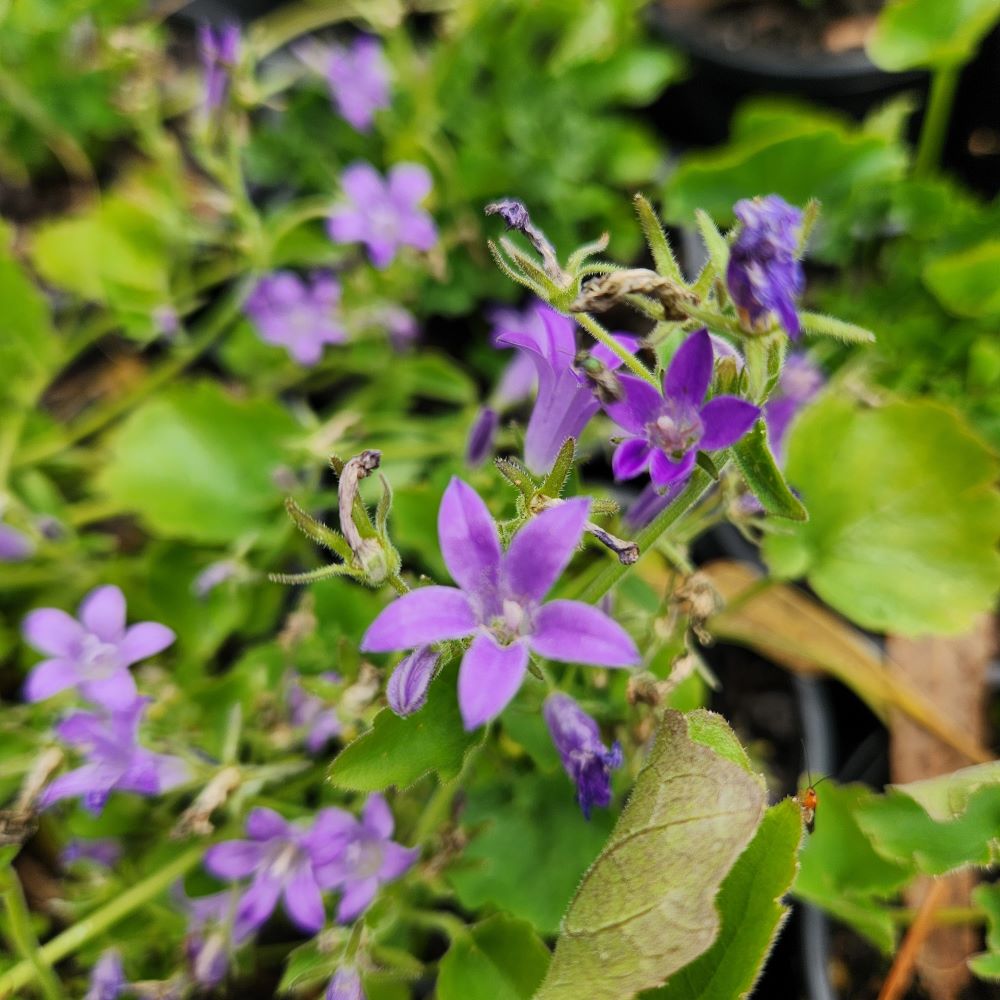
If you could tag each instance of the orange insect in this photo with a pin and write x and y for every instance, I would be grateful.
(808, 800)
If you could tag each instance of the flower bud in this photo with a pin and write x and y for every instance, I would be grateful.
(345, 985)
(480, 443)
(407, 687)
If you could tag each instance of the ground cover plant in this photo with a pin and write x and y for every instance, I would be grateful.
(374, 391)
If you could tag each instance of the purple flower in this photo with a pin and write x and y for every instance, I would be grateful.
(310, 712)
(14, 546)
(565, 401)
(107, 978)
(284, 860)
(115, 761)
(358, 78)
(92, 654)
(400, 324)
(519, 379)
(650, 502)
(345, 985)
(103, 851)
(384, 214)
(801, 379)
(586, 759)
(220, 51)
(499, 602)
(764, 274)
(365, 857)
(212, 576)
(668, 430)
(301, 317)
(407, 687)
(480, 444)
(211, 934)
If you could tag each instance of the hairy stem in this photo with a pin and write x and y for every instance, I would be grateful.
(936, 118)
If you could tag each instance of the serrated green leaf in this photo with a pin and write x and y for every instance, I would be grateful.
(965, 283)
(646, 907)
(750, 902)
(828, 326)
(501, 959)
(903, 512)
(397, 751)
(561, 468)
(987, 964)
(766, 481)
(712, 731)
(945, 797)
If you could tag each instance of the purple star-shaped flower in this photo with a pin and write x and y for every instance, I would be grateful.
(115, 761)
(107, 977)
(15, 546)
(220, 51)
(499, 602)
(765, 275)
(565, 401)
(300, 316)
(345, 985)
(384, 214)
(365, 856)
(91, 654)
(358, 78)
(284, 859)
(668, 430)
(801, 380)
(586, 759)
(311, 713)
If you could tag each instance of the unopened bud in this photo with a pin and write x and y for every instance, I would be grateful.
(407, 687)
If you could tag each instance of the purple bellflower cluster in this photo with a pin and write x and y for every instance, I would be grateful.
(220, 52)
(587, 760)
(499, 603)
(666, 431)
(384, 213)
(357, 75)
(765, 275)
(301, 316)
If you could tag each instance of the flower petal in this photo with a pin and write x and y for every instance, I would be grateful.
(690, 370)
(52, 631)
(579, 633)
(397, 860)
(377, 816)
(409, 183)
(116, 692)
(630, 458)
(233, 859)
(303, 901)
(86, 780)
(663, 472)
(102, 612)
(356, 899)
(608, 357)
(641, 405)
(488, 678)
(258, 903)
(143, 640)
(470, 544)
(363, 184)
(264, 823)
(543, 548)
(50, 677)
(346, 225)
(726, 420)
(429, 614)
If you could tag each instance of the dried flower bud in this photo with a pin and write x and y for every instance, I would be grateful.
(368, 552)
(515, 215)
(643, 689)
(607, 290)
(699, 600)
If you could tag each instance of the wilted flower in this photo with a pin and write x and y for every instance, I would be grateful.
(565, 401)
(14, 545)
(365, 856)
(407, 687)
(480, 444)
(668, 430)
(801, 379)
(586, 759)
(358, 77)
(764, 274)
(104, 851)
(384, 214)
(499, 603)
(107, 977)
(115, 761)
(299, 316)
(313, 714)
(92, 654)
(220, 51)
(211, 934)
(345, 985)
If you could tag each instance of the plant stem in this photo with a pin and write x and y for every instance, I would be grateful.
(936, 118)
(627, 357)
(100, 920)
(22, 935)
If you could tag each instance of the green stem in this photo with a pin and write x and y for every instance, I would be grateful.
(72, 939)
(936, 118)
(627, 357)
(290, 22)
(440, 804)
(22, 935)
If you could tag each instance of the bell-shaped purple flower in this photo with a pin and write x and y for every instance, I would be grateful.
(364, 857)
(565, 401)
(668, 430)
(480, 443)
(586, 759)
(408, 685)
(345, 985)
(91, 654)
(358, 78)
(500, 603)
(765, 275)
(519, 378)
(303, 317)
(115, 761)
(384, 214)
(312, 714)
(107, 977)
(212, 934)
(14, 545)
(801, 380)
(220, 52)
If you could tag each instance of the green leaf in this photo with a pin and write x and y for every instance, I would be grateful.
(501, 959)
(646, 907)
(561, 468)
(715, 242)
(307, 965)
(197, 463)
(915, 34)
(753, 456)
(903, 514)
(750, 902)
(659, 246)
(987, 965)
(827, 326)
(397, 751)
(712, 731)
(965, 283)
(946, 797)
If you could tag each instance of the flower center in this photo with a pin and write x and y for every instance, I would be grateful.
(98, 659)
(365, 856)
(383, 222)
(677, 429)
(514, 622)
(285, 856)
